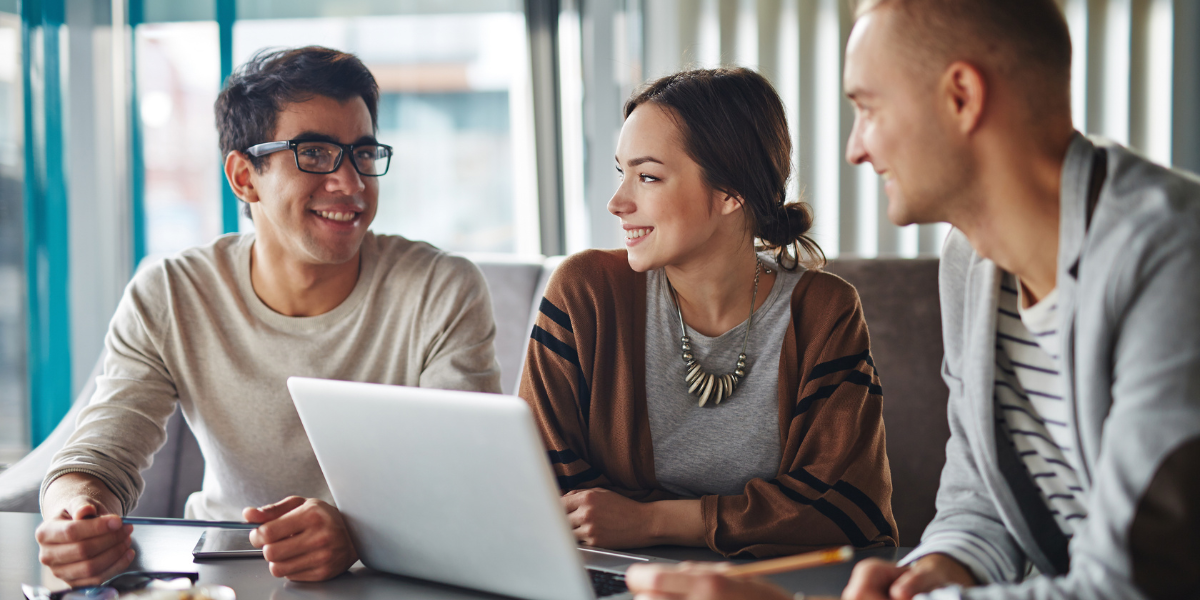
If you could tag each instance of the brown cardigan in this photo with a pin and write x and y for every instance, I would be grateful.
(585, 379)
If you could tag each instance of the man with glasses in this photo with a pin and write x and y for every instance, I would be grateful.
(218, 329)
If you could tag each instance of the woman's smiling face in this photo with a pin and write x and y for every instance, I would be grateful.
(667, 210)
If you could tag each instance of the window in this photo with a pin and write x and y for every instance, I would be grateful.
(178, 78)
(14, 418)
(455, 104)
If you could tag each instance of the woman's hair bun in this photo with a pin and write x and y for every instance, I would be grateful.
(786, 226)
(784, 230)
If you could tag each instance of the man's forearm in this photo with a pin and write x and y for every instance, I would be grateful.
(69, 486)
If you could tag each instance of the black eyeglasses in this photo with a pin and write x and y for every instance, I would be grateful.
(323, 158)
(109, 590)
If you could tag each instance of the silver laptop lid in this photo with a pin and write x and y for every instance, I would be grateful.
(453, 487)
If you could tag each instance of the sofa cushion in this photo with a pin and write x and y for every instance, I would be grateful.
(513, 282)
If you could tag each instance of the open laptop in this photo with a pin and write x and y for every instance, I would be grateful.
(453, 487)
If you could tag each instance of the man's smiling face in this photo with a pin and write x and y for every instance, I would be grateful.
(898, 127)
(316, 219)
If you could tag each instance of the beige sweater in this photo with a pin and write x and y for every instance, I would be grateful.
(190, 330)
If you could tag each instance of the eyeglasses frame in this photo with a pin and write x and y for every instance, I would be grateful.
(266, 148)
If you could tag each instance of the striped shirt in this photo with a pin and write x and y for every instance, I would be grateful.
(1029, 400)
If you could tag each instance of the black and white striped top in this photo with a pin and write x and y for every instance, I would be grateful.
(1029, 400)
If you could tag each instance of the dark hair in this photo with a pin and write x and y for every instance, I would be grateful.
(733, 125)
(255, 93)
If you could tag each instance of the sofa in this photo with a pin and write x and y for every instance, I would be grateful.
(899, 298)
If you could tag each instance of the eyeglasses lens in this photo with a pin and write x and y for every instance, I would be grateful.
(317, 157)
(372, 160)
(322, 157)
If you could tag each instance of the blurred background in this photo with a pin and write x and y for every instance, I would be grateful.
(504, 115)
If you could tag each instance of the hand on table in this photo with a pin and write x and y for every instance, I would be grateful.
(83, 545)
(606, 519)
(302, 539)
(696, 581)
(876, 579)
(81, 538)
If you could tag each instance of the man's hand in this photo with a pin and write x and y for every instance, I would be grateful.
(81, 538)
(693, 581)
(876, 579)
(302, 539)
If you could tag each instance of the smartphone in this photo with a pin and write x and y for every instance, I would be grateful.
(225, 543)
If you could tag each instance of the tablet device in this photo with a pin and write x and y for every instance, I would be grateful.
(225, 543)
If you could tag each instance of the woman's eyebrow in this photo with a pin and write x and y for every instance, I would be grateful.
(644, 159)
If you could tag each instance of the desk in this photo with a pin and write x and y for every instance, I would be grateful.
(170, 549)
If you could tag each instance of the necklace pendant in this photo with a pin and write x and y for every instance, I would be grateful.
(707, 386)
(701, 383)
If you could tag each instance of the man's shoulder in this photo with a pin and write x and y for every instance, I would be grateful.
(405, 262)
(1147, 200)
(205, 267)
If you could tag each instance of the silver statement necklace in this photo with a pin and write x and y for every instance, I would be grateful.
(701, 383)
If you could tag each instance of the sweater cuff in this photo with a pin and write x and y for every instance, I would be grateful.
(708, 514)
(126, 507)
(979, 557)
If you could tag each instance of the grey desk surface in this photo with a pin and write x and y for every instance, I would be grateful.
(170, 549)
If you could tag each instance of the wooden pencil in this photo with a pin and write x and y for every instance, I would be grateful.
(792, 563)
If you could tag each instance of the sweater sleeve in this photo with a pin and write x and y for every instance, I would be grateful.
(834, 485)
(967, 527)
(461, 353)
(559, 383)
(124, 424)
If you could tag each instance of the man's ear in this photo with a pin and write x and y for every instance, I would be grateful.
(964, 94)
(238, 172)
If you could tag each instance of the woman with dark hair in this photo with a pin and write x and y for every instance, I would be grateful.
(703, 386)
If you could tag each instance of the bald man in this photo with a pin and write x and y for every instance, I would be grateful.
(1070, 296)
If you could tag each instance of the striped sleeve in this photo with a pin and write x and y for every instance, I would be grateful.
(834, 486)
(555, 385)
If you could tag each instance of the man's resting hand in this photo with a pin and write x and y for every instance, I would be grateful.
(81, 538)
(876, 579)
(302, 539)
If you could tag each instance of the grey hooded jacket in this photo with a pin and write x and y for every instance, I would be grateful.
(1129, 300)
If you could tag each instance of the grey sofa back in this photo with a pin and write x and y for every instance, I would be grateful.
(900, 302)
(899, 299)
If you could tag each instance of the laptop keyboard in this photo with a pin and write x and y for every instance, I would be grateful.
(607, 584)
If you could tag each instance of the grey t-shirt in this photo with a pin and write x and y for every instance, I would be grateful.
(715, 449)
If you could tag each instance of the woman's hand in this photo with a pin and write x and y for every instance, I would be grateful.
(604, 518)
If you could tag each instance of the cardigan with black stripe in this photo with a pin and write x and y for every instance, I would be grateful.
(585, 380)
